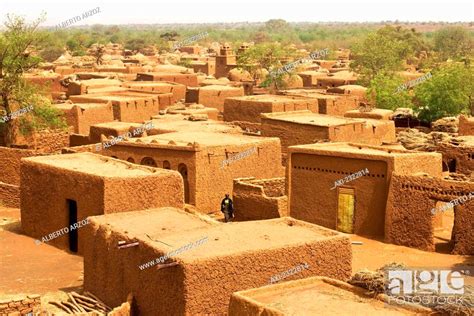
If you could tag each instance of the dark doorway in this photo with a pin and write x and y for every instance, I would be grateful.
(183, 169)
(73, 237)
(452, 165)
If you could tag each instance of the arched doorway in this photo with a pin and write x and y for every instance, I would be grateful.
(166, 164)
(130, 159)
(183, 170)
(148, 161)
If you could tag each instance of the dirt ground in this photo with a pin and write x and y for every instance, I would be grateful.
(39, 269)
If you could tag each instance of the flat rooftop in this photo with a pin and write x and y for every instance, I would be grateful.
(68, 106)
(312, 295)
(176, 123)
(207, 139)
(176, 228)
(93, 164)
(310, 118)
(271, 98)
(353, 148)
(117, 125)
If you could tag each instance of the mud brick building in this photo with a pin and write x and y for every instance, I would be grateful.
(410, 205)
(188, 79)
(235, 257)
(376, 114)
(82, 116)
(202, 158)
(91, 86)
(111, 129)
(259, 199)
(129, 107)
(356, 206)
(310, 77)
(311, 296)
(337, 79)
(458, 155)
(354, 90)
(225, 61)
(332, 104)
(305, 127)
(213, 95)
(57, 191)
(249, 108)
(208, 67)
(178, 90)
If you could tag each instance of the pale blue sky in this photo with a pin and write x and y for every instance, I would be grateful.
(185, 11)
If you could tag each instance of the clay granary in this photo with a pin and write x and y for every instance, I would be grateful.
(75, 186)
(219, 260)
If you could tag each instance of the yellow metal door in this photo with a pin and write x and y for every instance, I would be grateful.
(345, 210)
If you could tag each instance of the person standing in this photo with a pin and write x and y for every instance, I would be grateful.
(227, 208)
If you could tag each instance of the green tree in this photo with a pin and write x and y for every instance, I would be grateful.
(384, 92)
(382, 51)
(453, 42)
(269, 56)
(15, 59)
(449, 92)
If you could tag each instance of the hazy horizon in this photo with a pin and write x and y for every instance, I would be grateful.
(143, 12)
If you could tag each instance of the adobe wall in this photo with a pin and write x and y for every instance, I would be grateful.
(249, 110)
(178, 90)
(466, 125)
(198, 287)
(312, 200)
(45, 189)
(175, 157)
(338, 105)
(125, 109)
(21, 304)
(10, 164)
(462, 155)
(214, 181)
(186, 79)
(9, 195)
(293, 133)
(214, 96)
(409, 218)
(259, 199)
(83, 118)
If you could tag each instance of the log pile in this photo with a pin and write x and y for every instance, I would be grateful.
(87, 304)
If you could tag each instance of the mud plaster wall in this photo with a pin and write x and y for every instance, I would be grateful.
(83, 119)
(45, 189)
(49, 141)
(9, 195)
(250, 110)
(202, 287)
(338, 106)
(178, 90)
(312, 200)
(185, 79)
(409, 221)
(214, 180)
(214, 98)
(463, 155)
(10, 164)
(466, 126)
(20, 304)
(259, 199)
(175, 158)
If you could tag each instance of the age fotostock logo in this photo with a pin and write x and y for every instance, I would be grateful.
(408, 282)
